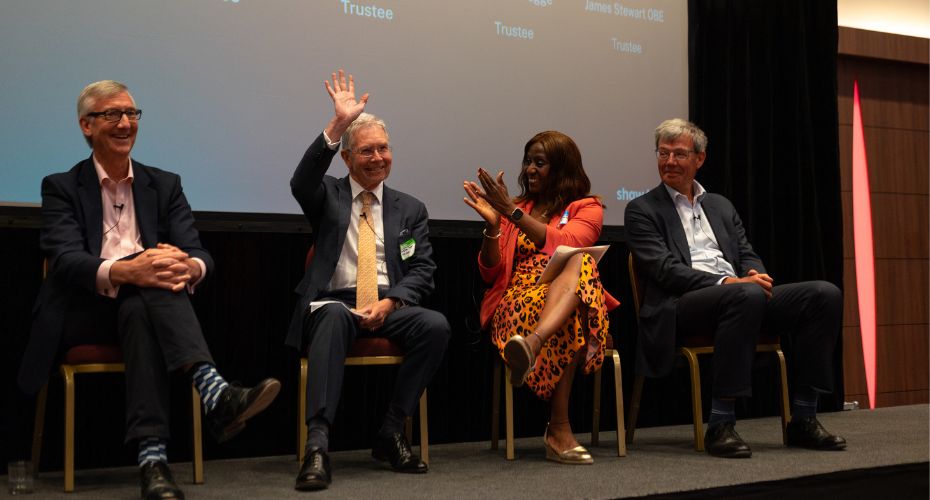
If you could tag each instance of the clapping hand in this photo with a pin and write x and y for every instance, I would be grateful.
(495, 192)
(476, 201)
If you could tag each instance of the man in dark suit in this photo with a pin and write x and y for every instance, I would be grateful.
(700, 276)
(371, 254)
(123, 255)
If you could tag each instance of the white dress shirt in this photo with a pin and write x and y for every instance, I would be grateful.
(347, 265)
(705, 252)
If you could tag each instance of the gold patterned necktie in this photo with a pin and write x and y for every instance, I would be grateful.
(366, 285)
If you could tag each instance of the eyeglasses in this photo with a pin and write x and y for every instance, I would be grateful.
(115, 115)
(369, 153)
(679, 154)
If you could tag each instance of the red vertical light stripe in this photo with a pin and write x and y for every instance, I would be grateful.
(862, 239)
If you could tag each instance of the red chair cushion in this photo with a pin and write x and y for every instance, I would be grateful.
(374, 346)
(93, 353)
(610, 342)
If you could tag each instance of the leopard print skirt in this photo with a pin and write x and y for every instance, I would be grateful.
(519, 310)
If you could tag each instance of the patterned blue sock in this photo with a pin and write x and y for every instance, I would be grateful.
(209, 384)
(722, 410)
(804, 404)
(152, 449)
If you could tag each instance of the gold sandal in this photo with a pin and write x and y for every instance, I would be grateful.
(576, 456)
(520, 359)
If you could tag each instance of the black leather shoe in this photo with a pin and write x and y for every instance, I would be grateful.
(157, 483)
(315, 473)
(236, 405)
(396, 450)
(809, 433)
(722, 440)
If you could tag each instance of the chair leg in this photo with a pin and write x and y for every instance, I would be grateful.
(638, 383)
(785, 407)
(38, 430)
(696, 398)
(302, 409)
(196, 436)
(495, 405)
(618, 395)
(508, 413)
(596, 410)
(68, 376)
(424, 430)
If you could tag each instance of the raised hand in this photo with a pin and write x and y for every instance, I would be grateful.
(346, 107)
(495, 192)
(476, 201)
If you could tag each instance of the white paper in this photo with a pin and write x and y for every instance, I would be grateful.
(561, 255)
(320, 303)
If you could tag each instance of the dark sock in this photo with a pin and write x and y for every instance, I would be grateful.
(804, 404)
(317, 434)
(722, 411)
(393, 422)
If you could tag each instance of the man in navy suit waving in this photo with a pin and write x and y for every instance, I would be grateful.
(372, 267)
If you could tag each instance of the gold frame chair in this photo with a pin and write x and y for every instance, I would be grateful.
(68, 372)
(377, 360)
(691, 354)
(610, 353)
(109, 362)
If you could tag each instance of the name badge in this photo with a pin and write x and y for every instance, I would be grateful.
(407, 248)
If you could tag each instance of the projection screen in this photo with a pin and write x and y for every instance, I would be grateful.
(232, 90)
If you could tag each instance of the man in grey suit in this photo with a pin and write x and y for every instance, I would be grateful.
(700, 276)
(340, 212)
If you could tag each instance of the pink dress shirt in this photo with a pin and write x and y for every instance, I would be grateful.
(121, 235)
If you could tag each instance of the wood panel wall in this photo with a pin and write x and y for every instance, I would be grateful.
(892, 71)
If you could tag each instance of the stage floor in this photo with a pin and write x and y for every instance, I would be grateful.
(660, 460)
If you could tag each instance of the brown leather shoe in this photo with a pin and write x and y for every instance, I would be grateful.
(236, 405)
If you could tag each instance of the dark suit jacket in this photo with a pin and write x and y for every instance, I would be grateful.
(71, 237)
(327, 204)
(657, 240)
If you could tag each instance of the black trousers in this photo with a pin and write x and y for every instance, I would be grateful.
(807, 316)
(158, 333)
(422, 333)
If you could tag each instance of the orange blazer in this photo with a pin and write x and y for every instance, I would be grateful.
(585, 218)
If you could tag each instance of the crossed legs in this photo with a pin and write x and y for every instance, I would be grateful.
(561, 302)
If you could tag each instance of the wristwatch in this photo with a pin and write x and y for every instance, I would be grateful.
(516, 215)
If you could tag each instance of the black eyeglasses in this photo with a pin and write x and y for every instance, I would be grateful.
(115, 115)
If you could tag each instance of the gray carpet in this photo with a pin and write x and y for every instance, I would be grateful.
(660, 460)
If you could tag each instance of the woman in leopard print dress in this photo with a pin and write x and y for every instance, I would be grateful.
(544, 330)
